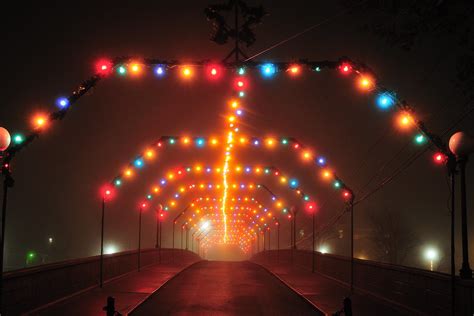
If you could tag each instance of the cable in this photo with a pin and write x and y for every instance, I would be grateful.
(414, 157)
(305, 31)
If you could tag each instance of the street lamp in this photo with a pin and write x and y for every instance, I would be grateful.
(431, 254)
(107, 193)
(8, 182)
(462, 145)
(323, 249)
(159, 215)
(140, 211)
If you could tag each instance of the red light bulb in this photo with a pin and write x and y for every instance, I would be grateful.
(439, 158)
(345, 68)
(104, 67)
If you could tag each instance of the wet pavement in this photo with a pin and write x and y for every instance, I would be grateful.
(225, 288)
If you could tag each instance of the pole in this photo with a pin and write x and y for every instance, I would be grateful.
(159, 245)
(312, 248)
(182, 228)
(294, 229)
(452, 173)
(187, 237)
(278, 242)
(269, 240)
(174, 223)
(465, 272)
(102, 245)
(139, 236)
(264, 243)
(351, 206)
(7, 182)
(258, 242)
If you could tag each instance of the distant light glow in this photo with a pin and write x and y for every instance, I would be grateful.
(110, 249)
(324, 249)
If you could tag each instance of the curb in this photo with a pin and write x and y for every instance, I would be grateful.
(292, 288)
(161, 286)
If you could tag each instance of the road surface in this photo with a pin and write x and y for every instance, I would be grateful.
(225, 288)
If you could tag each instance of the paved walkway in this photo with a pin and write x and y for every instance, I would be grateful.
(128, 291)
(225, 288)
(328, 294)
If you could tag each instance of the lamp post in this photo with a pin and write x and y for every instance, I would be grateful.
(175, 220)
(140, 210)
(7, 183)
(269, 239)
(187, 236)
(107, 193)
(258, 242)
(313, 244)
(278, 241)
(351, 209)
(431, 254)
(192, 239)
(159, 208)
(462, 145)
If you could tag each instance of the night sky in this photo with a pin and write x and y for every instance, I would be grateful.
(49, 49)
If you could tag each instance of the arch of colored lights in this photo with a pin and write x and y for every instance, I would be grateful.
(326, 171)
(198, 169)
(385, 99)
(365, 80)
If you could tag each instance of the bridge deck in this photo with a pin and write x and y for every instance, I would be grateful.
(128, 292)
(225, 288)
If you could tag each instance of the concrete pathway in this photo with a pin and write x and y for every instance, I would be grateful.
(128, 291)
(225, 288)
(328, 294)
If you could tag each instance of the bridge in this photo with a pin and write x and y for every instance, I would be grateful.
(223, 216)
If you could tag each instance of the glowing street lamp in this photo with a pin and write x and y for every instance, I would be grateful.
(323, 249)
(462, 145)
(431, 254)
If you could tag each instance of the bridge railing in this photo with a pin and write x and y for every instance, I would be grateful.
(30, 288)
(418, 290)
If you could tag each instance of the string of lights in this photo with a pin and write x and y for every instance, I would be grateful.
(385, 100)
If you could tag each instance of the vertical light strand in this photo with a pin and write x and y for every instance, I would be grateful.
(225, 171)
